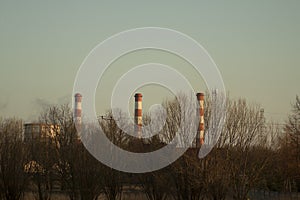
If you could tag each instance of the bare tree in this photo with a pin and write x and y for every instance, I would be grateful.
(185, 176)
(290, 149)
(156, 185)
(243, 136)
(40, 167)
(78, 172)
(112, 179)
(13, 154)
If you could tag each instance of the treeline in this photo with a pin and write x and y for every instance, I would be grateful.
(250, 154)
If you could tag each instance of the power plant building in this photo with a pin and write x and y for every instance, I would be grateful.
(40, 131)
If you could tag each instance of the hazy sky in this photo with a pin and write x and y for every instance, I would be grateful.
(255, 44)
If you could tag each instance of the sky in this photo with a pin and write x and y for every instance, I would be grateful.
(255, 45)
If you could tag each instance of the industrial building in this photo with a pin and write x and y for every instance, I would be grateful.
(40, 131)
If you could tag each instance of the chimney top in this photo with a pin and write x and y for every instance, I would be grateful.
(138, 95)
(200, 96)
(78, 95)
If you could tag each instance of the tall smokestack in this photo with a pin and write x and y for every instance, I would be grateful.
(138, 114)
(200, 133)
(77, 111)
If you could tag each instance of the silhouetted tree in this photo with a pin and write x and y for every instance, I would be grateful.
(13, 154)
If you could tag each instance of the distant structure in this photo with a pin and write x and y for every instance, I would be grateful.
(138, 114)
(200, 111)
(40, 131)
(78, 111)
(138, 121)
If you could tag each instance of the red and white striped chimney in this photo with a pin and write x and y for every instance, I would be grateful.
(200, 134)
(77, 110)
(138, 114)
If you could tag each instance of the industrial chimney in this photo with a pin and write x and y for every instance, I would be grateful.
(200, 132)
(77, 111)
(138, 115)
